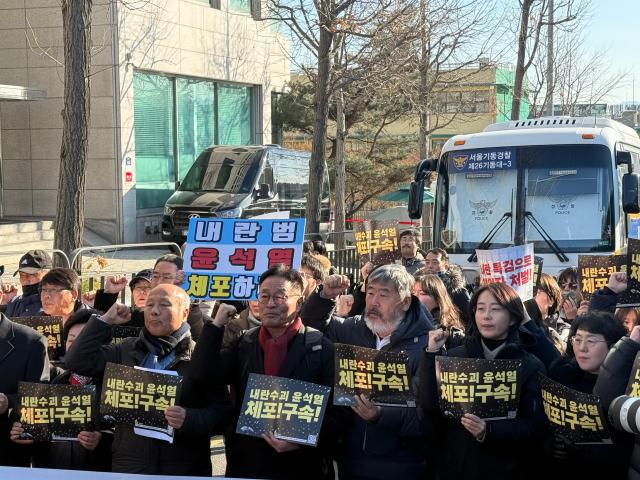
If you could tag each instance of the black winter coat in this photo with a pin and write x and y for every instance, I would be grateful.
(24, 306)
(587, 461)
(206, 410)
(23, 358)
(612, 382)
(310, 358)
(394, 445)
(511, 447)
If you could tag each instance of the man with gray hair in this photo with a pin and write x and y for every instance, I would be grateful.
(381, 442)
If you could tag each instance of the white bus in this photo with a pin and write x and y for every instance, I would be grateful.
(561, 183)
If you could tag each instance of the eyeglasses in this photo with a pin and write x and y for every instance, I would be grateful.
(588, 342)
(142, 289)
(278, 298)
(51, 291)
(163, 276)
(572, 286)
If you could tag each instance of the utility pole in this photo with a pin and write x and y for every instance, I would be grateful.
(548, 108)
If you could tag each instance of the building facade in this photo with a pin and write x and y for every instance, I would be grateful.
(168, 79)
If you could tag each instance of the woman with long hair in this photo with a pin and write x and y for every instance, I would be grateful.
(473, 448)
(432, 293)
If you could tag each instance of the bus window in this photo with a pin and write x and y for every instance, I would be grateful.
(568, 189)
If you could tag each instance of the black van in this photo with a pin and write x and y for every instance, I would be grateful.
(233, 182)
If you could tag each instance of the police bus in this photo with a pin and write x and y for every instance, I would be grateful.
(564, 184)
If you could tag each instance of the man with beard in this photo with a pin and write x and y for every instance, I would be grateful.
(409, 244)
(381, 442)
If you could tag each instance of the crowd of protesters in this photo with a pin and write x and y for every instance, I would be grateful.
(421, 305)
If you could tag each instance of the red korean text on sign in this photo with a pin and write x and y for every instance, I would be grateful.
(204, 258)
(244, 257)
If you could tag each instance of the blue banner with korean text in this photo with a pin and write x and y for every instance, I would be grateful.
(224, 258)
(482, 160)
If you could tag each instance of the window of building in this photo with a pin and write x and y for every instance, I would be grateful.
(154, 136)
(234, 115)
(196, 120)
(175, 119)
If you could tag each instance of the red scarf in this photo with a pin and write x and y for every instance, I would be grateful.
(275, 349)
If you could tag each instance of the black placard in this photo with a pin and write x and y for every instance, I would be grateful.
(594, 271)
(631, 296)
(633, 386)
(381, 375)
(576, 415)
(56, 411)
(488, 389)
(51, 328)
(291, 409)
(377, 241)
(138, 397)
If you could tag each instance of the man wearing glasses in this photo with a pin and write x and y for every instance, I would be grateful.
(281, 346)
(59, 293)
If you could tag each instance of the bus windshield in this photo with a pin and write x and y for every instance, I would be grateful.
(567, 189)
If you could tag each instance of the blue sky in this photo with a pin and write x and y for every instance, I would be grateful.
(615, 25)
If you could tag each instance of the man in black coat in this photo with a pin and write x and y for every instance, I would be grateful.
(32, 266)
(23, 358)
(380, 442)
(164, 344)
(281, 346)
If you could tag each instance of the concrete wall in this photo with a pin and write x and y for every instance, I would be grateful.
(183, 37)
(31, 55)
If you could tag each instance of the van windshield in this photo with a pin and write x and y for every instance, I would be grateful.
(227, 171)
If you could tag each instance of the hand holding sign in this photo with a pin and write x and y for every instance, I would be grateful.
(117, 314)
(334, 285)
(280, 446)
(224, 315)
(16, 434)
(365, 409)
(89, 440)
(474, 425)
(175, 416)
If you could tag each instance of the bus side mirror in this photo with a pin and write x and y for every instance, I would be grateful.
(416, 192)
(630, 189)
(623, 158)
(416, 189)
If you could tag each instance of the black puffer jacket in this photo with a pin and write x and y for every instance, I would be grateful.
(206, 410)
(24, 306)
(587, 461)
(510, 449)
(394, 445)
(612, 382)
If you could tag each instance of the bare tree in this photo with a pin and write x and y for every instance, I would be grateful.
(581, 78)
(76, 27)
(534, 16)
